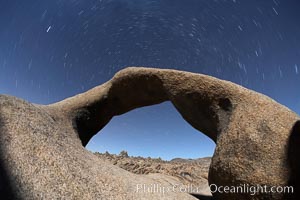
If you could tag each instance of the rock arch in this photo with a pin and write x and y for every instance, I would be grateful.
(203, 101)
(252, 133)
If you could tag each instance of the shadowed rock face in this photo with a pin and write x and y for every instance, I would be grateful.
(43, 156)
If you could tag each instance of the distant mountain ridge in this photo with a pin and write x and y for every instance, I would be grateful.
(204, 159)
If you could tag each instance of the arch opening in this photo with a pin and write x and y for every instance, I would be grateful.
(153, 131)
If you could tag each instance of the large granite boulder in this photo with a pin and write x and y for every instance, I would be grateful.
(42, 146)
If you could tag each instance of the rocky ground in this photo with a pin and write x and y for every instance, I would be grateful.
(42, 154)
(188, 171)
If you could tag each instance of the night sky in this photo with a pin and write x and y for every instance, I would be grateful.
(50, 50)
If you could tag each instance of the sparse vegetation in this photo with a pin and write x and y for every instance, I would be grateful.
(187, 170)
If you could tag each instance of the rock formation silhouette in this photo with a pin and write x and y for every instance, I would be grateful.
(43, 154)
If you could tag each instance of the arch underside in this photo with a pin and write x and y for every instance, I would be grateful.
(203, 101)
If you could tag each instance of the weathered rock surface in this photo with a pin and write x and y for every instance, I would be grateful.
(43, 158)
(42, 154)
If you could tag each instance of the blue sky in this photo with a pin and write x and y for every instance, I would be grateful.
(51, 50)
